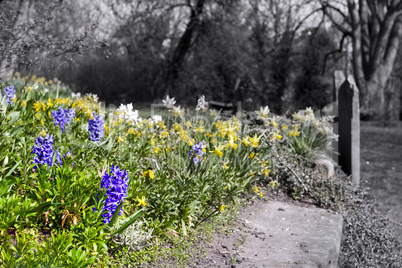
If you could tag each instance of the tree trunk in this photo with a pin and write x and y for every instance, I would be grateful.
(184, 43)
(375, 41)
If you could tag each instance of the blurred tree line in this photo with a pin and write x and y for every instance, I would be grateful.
(260, 52)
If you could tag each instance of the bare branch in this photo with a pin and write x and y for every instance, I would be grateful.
(306, 17)
(327, 8)
(339, 50)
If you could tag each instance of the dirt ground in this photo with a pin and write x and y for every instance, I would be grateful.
(222, 252)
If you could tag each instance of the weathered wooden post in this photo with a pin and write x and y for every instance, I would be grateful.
(349, 129)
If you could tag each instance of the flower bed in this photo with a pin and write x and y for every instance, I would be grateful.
(74, 177)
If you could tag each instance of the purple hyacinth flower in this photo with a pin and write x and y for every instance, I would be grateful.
(116, 184)
(9, 92)
(62, 117)
(96, 127)
(196, 152)
(43, 150)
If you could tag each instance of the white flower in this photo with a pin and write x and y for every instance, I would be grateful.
(169, 102)
(75, 95)
(155, 118)
(90, 96)
(177, 111)
(263, 113)
(202, 104)
(46, 90)
(126, 112)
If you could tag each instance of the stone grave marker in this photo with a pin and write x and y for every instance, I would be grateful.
(349, 129)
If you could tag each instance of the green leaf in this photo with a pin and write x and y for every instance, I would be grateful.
(16, 130)
(39, 209)
(115, 215)
(5, 162)
(184, 227)
(12, 169)
(6, 185)
(14, 117)
(131, 220)
(29, 106)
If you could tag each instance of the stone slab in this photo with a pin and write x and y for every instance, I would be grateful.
(290, 236)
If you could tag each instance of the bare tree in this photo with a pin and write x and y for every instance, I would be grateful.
(30, 34)
(185, 41)
(375, 28)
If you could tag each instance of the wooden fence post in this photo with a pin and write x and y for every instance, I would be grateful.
(349, 129)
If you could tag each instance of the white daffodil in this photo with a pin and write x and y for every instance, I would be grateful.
(155, 118)
(169, 102)
(202, 104)
(297, 116)
(126, 112)
(177, 111)
(75, 95)
(263, 113)
(309, 111)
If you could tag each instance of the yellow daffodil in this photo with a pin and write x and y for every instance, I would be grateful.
(150, 173)
(190, 142)
(157, 150)
(231, 143)
(177, 127)
(246, 141)
(160, 124)
(256, 190)
(119, 139)
(222, 208)
(279, 137)
(199, 129)
(164, 134)
(218, 150)
(266, 172)
(254, 141)
(24, 103)
(273, 122)
(37, 105)
(225, 166)
(49, 103)
(272, 183)
(261, 194)
(252, 155)
(141, 201)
